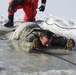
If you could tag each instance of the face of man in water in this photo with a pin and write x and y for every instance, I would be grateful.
(45, 41)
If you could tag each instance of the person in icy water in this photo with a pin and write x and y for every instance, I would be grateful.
(49, 39)
(32, 37)
(29, 7)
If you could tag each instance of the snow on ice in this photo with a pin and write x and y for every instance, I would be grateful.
(59, 26)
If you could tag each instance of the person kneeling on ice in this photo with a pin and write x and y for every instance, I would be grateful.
(32, 37)
(29, 7)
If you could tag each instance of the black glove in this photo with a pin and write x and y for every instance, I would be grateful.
(42, 8)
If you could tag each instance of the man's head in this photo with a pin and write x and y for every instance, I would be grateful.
(45, 37)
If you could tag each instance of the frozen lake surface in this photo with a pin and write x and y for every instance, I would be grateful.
(17, 62)
(57, 62)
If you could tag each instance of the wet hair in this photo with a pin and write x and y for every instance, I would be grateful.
(46, 33)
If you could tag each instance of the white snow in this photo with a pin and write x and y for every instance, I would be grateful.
(53, 24)
(51, 72)
(57, 25)
(60, 26)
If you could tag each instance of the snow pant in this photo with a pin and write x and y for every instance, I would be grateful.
(29, 8)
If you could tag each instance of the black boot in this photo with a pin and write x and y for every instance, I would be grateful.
(29, 20)
(10, 22)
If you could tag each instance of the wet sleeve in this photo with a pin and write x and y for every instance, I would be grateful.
(30, 38)
(59, 41)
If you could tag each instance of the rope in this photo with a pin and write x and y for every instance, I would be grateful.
(58, 25)
(50, 53)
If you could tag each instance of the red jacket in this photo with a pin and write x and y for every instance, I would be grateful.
(34, 2)
(29, 7)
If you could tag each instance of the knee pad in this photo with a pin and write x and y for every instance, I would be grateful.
(13, 5)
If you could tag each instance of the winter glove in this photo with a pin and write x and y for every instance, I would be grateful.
(42, 8)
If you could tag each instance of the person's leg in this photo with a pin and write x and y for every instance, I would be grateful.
(13, 6)
(30, 11)
(29, 14)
